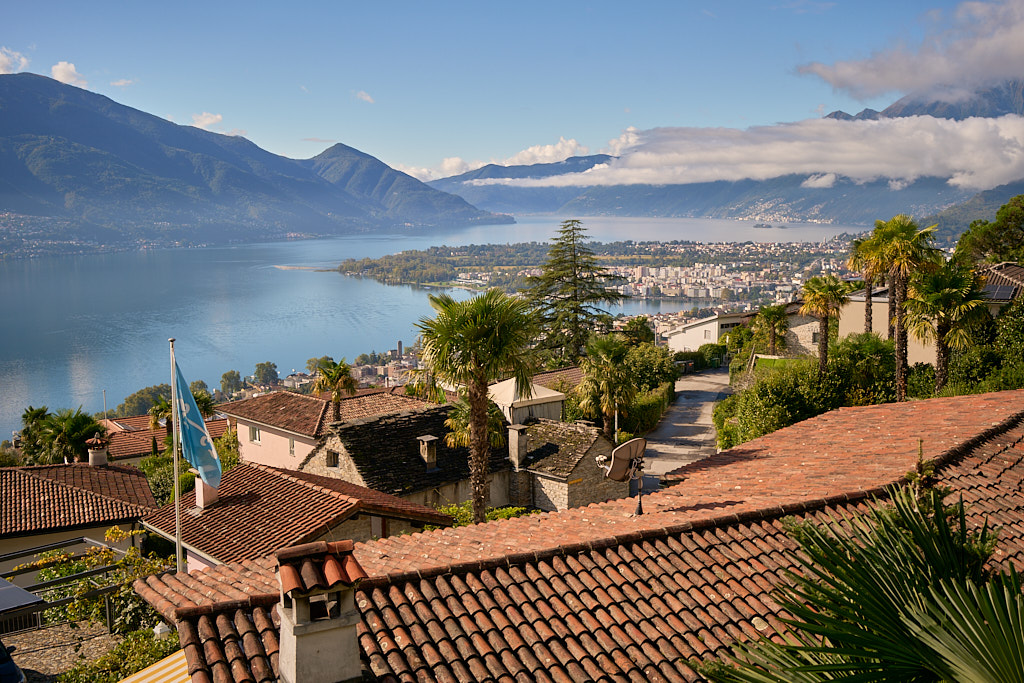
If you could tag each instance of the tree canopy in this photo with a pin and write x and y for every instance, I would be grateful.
(266, 373)
(230, 382)
(142, 400)
(567, 293)
(998, 240)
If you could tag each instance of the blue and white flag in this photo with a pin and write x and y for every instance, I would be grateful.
(196, 443)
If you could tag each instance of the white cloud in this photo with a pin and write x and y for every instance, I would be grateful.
(822, 180)
(206, 119)
(980, 42)
(12, 62)
(976, 153)
(65, 72)
(364, 96)
(546, 154)
(448, 167)
(122, 83)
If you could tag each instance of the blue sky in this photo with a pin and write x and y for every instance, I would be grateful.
(419, 83)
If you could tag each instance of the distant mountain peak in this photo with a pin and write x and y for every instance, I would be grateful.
(986, 101)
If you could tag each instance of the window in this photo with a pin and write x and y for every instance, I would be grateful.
(814, 337)
(291, 446)
(332, 458)
(707, 334)
(254, 434)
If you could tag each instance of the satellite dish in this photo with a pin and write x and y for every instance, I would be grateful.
(627, 460)
(628, 463)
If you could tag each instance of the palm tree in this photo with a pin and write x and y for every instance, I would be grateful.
(162, 412)
(31, 426)
(337, 379)
(457, 423)
(864, 261)
(942, 306)
(472, 343)
(607, 385)
(905, 250)
(63, 435)
(823, 297)
(773, 323)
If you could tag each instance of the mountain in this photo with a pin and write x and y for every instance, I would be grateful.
(512, 199)
(989, 101)
(782, 199)
(106, 171)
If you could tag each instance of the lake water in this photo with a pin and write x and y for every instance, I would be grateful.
(76, 326)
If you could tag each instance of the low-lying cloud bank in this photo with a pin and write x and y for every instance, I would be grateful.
(975, 154)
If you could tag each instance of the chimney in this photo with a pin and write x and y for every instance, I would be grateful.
(517, 445)
(319, 641)
(97, 447)
(206, 495)
(428, 451)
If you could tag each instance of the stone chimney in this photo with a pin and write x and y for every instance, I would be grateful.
(206, 495)
(97, 447)
(319, 642)
(517, 446)
(428, 451)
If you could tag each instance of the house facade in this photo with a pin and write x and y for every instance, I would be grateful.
(695, 334)
(47, 504)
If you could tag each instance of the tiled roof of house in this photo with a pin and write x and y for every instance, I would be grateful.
(556, 448)
(306, 415)
(53, 497)
(311, 415)
(139, 441)
(595, 592)
(560, 380)
(261, 509)
(318, 567)
(1003, 280)
(387, 454)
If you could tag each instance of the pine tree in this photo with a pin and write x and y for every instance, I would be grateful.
(567, 293)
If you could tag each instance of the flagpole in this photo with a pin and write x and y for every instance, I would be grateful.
(174, 451)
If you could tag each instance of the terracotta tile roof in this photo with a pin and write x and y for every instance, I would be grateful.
(306, 415)
(559, 380)
(317, 567)
(139, 442)
(311, 415)
(1003, 280)
(262, 509)
(53, 497)
(387, 454)
(595, 592)
(555, 448)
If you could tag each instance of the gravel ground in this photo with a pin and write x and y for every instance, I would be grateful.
(47, 652)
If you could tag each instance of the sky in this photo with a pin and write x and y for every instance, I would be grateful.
(681, 91)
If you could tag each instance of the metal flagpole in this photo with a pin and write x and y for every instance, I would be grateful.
(174, 451)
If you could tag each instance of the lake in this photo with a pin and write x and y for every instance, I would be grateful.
(78, 325)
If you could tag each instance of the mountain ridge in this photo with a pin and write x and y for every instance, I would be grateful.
(81, 157)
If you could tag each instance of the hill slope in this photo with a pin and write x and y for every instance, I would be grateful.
(74, 155)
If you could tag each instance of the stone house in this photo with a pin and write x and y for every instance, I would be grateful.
(404, 455)
(282, 428)
(554, 466)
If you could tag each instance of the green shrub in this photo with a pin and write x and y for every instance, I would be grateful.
(137, 651)
(647, 408)
(462, 513)
(713, 354)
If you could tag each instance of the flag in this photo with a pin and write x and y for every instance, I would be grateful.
(196, 443)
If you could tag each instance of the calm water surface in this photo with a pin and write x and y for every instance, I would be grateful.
(73, 327)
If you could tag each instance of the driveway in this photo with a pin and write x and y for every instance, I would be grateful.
(686, 432)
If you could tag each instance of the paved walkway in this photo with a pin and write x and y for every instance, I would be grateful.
(686, 432)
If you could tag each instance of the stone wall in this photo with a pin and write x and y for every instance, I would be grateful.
(316, 462)
(549, 494)
(587, 483)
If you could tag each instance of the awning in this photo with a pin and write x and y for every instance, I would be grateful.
(170, 669)
(13, 598)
